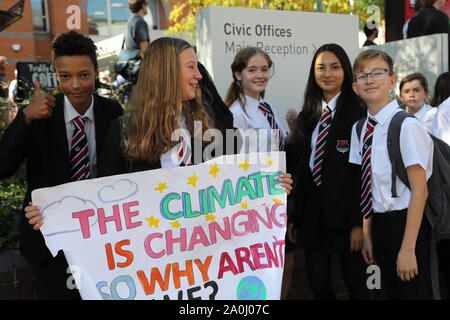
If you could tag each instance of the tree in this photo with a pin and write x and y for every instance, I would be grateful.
(182, 15)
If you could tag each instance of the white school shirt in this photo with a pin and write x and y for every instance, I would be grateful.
(426, 116)
(170, 159)
(71, 113)
(253, 119)
(332, 106)
(441, 123)
(416, 147)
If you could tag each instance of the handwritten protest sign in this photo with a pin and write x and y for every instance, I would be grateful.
(210, 231)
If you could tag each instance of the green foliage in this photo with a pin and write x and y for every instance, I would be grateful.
(183, 12)
(12, 192)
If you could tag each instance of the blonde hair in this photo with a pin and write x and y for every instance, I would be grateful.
(157, 105)
(372, 54)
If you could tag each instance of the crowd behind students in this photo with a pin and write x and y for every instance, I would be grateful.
(339, 180)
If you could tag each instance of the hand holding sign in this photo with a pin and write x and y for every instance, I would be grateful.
(41, 105)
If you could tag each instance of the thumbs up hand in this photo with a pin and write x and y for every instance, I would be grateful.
(41, 105)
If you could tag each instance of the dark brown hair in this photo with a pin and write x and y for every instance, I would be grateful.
(136, 5)
(414, 76)
(235, 91)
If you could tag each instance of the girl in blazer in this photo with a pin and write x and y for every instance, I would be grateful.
(251, 70)
(326, 214)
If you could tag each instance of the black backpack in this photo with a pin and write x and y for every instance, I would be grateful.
(437, 207)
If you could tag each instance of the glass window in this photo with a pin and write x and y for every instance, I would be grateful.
(97, 17)
(119, 15)
(39, 15)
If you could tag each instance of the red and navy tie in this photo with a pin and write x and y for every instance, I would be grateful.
(184, 153)
(324, 129)
(366, 183)
(268, 113)
(79, 152)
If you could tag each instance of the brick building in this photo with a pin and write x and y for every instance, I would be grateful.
(29, 39)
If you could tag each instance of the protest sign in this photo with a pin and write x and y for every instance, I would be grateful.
(210, 231)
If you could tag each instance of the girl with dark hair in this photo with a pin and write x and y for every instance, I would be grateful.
(326, 213)
(251, 70)
(441, 89)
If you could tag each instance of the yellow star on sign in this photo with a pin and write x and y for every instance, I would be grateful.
(244, 205)
(269, 161)
(193, 180)
(161, 187)
(214, 170)
(277, 201)
(175, 224)
(210, 217)
(152, 222)
(244, 165)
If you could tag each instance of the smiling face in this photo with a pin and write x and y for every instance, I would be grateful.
(329, 74)
(189, 74)
(413, 95)
(255, 76)
(76, 76)
(374, 92)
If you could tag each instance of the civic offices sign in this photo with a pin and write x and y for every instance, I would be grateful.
(290, 38)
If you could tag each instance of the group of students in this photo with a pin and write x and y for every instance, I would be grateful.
(340, 201)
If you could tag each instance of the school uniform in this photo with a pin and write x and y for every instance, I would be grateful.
(441, 129)
(389, 214)
(251, 119)
(441, 123)
(325, 214)
(45, 145)
(425, 116)
(114, 161)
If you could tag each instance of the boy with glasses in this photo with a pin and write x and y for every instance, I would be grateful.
(396, 235)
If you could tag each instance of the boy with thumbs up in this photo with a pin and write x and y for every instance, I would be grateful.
(46, 134)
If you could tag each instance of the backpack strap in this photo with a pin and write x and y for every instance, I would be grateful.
(359, 126)
(395, 155)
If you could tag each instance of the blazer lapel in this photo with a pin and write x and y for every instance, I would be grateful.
(101, 124)
(60, 145)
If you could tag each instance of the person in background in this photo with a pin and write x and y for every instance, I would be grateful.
(429, 20)
(441, 89)
(414, 92)
(417, 7)
(371, 34)
(441, 129)
(3, 79)
(136, 32)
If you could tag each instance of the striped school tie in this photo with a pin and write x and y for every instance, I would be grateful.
(79, 152)
(268, 113)
(366, 183)
(324, 129)
(184, 153)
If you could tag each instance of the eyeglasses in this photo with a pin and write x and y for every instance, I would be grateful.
(376, 75)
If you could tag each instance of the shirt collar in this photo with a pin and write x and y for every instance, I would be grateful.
(419, 114)
(385, 114)
(331, 104)
(71, 113)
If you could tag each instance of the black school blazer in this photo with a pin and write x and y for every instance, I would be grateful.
(44, 146)
(340, 179)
